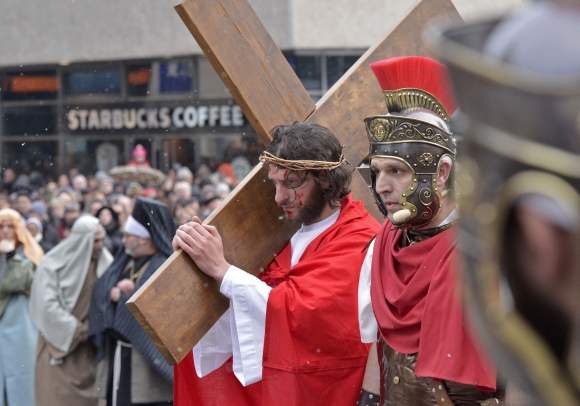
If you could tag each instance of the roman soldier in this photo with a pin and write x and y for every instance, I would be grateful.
(426, 354)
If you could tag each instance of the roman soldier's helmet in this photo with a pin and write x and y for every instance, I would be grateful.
(415, 130)
(517, 81)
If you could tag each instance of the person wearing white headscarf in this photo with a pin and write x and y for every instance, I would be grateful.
(60, 299)
(36, 229)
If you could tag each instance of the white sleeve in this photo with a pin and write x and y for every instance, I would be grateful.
(366, 317)
(215, 347)
(239, 332)
(248, 301)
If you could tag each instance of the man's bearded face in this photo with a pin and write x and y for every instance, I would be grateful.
(299, 194)
(132, 244)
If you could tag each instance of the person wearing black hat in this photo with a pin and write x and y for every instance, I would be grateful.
(137, 372)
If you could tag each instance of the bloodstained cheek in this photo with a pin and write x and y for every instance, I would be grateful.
(273, 170)
(286, 172)
(299, 198)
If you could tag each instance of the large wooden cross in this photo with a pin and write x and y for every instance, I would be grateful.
(179, 303)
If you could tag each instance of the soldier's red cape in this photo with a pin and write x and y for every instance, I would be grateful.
(313, 353)
(415, 295)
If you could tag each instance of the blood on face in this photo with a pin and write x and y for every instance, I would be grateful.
(300, 198)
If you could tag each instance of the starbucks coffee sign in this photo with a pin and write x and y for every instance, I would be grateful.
(131, 118)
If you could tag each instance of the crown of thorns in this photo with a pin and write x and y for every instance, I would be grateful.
(300, 165)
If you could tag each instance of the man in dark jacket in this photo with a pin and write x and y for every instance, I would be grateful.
(137, 373)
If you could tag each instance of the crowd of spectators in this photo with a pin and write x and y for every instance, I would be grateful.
(50, 206)
(39, 215)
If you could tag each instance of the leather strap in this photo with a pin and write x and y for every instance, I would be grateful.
(439, 392)
(367, 398)
(442, 398)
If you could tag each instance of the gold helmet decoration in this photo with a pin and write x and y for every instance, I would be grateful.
(414, 130)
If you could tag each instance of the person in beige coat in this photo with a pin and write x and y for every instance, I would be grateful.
(60, 299)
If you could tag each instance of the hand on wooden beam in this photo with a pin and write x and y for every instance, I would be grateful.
(204, 245)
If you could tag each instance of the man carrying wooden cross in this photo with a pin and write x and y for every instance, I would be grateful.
(290, 336)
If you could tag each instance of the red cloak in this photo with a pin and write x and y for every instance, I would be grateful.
(313, 353)
(414, 292)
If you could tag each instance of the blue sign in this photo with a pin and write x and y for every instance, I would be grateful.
(175, 77)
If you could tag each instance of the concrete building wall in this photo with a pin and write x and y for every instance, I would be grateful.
(359, 24)
(40, 31)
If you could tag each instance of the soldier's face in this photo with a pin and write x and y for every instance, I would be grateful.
(298, 193)
(393, 177)
(542, 265)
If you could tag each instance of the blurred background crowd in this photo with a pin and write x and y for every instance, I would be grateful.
(51, 206)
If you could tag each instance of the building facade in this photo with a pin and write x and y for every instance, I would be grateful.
(83, 82)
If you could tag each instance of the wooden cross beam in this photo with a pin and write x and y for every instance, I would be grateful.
(179, 303)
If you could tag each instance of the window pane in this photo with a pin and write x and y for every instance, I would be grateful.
(38, 156)
(92, 155)
(175, 77)
(38, 85)
(336, 66)
(93, 82)
(38, 120)
(210, 85)
(138, 79)
(307, 68)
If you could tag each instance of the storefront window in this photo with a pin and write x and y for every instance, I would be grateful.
(209, 83)
(34, 120)
(336, 66)
(90, 155)
(307, 68)
(175, 77)
(139, 80)
(36, 85)
(94, 81)
(32, 156)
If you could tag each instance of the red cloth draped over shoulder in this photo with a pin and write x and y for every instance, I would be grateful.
(312, 349)
(415, 295)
